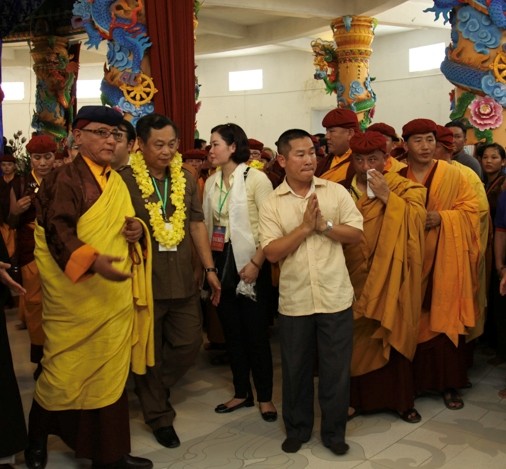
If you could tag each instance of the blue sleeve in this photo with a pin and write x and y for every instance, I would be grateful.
(500, 214)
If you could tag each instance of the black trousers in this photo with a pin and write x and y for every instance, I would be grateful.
(245, 326)
(332, 335)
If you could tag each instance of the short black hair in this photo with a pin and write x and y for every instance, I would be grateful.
(198, 142)
(126, 126)
(232, 133)
(458, 124)
(153, 121)
(480, 149)
(283, 143)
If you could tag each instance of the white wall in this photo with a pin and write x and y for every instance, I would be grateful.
(401, 95)
(290, 97)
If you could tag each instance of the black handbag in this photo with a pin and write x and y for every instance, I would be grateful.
(14, 270)
(227, 270)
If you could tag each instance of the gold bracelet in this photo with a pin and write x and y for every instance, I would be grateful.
(255, 264)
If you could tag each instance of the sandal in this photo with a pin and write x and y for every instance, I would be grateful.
(452, 399)
(410, 416)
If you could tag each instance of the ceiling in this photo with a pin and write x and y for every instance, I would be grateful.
(244, 27)
(241, 27)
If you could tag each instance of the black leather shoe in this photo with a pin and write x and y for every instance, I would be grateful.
(291, 445)
(36, 454)
(338, 448)
(223, 409)
(126, 462)
(270, 416)
(167, 437)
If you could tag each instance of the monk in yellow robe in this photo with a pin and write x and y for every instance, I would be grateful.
(450, 267)
(385, 271)
(444, 151)
(341, 125)
(22, 217)
(88, 258)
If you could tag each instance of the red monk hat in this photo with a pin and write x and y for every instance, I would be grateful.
(384, 129)
(60, 155)
(341, 118)
(365, 143)
(194, 154)
(265, 156)
(255, 144)
(399, 153)
(7, 155)
(444, 136)
(418, 126)
(41, 144)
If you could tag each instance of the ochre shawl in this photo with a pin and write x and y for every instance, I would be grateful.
(452, 252)
(385, 270)
(484, 212)
(338, 169)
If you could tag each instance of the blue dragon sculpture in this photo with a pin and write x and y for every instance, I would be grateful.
(117, 21)
(480, 71)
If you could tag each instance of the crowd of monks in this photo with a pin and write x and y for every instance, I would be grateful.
(427, 275)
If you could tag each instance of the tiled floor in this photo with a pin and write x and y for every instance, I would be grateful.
(474, 437)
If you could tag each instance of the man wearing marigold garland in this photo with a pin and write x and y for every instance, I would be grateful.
(165, 196)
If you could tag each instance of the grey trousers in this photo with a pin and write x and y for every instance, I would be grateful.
(300, 336)
(178, 336)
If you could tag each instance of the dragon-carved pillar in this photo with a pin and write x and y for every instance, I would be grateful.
(475, 63)
(56, 73)
(345, 66)
(127, 83)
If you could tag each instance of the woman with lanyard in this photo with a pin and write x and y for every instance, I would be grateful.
(232, 197)
(22, 217)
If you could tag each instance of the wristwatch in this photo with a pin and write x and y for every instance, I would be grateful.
(328, 227)
(211, 269)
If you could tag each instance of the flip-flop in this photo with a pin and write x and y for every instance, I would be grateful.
(410, 416)
(452, 399)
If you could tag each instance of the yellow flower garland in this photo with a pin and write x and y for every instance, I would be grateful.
(168, 238)
(256, 164)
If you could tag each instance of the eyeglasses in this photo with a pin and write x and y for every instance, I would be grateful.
(104, 133)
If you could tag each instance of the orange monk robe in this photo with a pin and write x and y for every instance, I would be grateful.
(339, 167)
(483, 208)
(385, 271)
(451, 256)
(393, 166)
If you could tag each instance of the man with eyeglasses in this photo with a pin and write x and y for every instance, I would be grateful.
(385, 270)
(84, 235)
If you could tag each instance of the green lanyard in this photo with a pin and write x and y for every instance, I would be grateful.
(220, 202)
(165, 191)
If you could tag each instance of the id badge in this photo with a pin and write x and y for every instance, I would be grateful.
(218, 238)
(161, 247)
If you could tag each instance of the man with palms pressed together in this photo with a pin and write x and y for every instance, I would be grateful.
(303, 225)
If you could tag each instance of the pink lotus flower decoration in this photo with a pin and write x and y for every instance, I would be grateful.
(485, 113)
